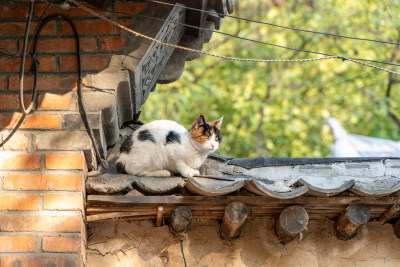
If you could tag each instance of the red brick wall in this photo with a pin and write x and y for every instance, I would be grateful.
(42, 189)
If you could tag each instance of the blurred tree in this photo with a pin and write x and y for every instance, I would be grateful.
(278, 109)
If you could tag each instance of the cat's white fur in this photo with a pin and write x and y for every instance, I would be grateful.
(147, 158)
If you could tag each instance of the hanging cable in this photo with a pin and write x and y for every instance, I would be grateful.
(81, 104)
(279, 26)
(21, 78)
(328, 56)
(251, 40)
(224, 57)
(22, 68)
(183, 254)
(8, 53)
(83, 112)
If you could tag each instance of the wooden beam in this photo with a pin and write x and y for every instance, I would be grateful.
(348, 224)
(396, 228)
(214, 207)
(393, 212)
(94, 200)
(180, 219)
(292, 221)
(116, 215)
(159, 220)
(234, 217)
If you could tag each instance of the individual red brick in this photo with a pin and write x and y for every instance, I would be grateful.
(19, 161)
(65, 161)
(40, 261)
(63, 202)
(45, 102)
(14, 64)
(17, 142)
(112, 43)
(88, 63)
(46, 82)
(71, 12)
(2, 83)
(17, 29)
(30, 122)
(54, 102)
(67, 45)
(19, 202)
(14, 11)
(95, 27)
(130, 8)
(17, 243)
(83, 250)
(47, 64)
(10, 45)
(62, 244)
(43, 182)
(28, 83)
(11, 102)
(40, 223)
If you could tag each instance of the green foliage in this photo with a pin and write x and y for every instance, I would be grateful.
(278, 109)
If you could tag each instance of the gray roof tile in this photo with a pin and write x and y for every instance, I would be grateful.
(273, 177)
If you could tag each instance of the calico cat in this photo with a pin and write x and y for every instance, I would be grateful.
(163, 148)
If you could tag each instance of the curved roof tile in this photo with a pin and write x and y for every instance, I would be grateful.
(316, 188)
(213, 187)
(273, 177)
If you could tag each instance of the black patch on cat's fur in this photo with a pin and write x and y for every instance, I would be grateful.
(120, 167)
(173, 137)
(127, 145)
(146, 135)
(206, 129)
(218, 134)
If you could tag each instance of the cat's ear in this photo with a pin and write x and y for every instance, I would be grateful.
(200, 121)
(217, 123)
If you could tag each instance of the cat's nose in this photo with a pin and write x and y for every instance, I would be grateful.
(212, 146)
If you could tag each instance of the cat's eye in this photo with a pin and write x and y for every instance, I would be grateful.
(216, 138)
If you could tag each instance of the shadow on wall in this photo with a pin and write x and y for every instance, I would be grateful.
(142, 244)
(54, 94)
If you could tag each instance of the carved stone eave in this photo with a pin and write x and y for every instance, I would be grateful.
(119, 91)
(147, 66)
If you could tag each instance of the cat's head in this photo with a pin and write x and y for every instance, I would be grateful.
(206, 135)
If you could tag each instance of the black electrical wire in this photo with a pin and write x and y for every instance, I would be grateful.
(9, 54)
(21, 78)
(251, 40)
(14, 130)
(83, 112)
(21, 72)
(280, 26)
(183, 254)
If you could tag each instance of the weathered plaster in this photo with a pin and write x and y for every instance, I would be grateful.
(142, 244)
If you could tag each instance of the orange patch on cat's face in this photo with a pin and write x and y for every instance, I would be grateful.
(197, 134)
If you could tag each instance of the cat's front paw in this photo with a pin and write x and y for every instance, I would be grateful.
(189, 173)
